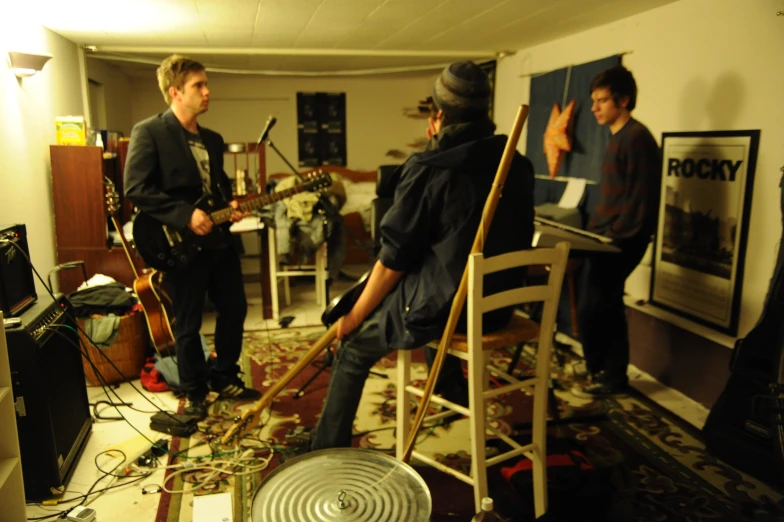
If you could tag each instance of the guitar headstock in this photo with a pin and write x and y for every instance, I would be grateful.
(112, 197)
(318, 181)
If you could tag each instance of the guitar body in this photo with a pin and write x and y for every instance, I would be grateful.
(149, 288)
(165, 248)
(343, 304)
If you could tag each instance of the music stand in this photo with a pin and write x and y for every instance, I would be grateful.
(583, 244)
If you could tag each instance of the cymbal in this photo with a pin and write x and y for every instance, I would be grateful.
(342, 484)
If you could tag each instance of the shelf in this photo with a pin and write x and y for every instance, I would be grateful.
(6, 468)
(681, 322)
(4, 390)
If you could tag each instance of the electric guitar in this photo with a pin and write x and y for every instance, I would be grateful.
(337, 308)
(342, 304)
(148, 287)
(164, 247)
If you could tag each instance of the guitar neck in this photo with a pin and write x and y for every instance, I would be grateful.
(223, 215)
(125, 245)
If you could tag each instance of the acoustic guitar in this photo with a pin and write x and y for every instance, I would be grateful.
(148, 287)
(169, 248)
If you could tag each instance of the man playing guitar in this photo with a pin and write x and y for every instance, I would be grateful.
(172, 162)
(426, 237)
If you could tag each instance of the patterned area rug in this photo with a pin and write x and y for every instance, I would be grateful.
(639, 462)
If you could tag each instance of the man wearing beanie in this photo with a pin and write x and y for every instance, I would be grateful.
(426, 237)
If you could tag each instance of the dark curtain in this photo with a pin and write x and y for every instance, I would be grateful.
(546, 89)
(589, 140)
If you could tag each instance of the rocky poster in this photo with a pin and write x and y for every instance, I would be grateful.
(700, 245)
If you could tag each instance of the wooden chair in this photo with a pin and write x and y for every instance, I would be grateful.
(473, 348)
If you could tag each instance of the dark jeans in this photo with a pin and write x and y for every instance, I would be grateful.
(355, 356)
(216, 274)
(602, 313)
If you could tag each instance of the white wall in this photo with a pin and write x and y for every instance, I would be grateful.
(240, 105)
(28, 108)
(700, 65)
(116, 94)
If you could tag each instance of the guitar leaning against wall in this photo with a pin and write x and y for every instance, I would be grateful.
(148, 287)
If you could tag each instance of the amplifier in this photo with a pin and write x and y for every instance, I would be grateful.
(50, 396)
(17, 287)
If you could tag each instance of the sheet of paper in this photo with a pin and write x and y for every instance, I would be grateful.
(247, 224)
(212, 508)
(537, 235)
(575, 188)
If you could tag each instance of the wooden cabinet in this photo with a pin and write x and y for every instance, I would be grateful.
(80, 217)
(12, 495)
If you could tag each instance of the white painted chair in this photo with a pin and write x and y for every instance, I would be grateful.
(473, 348)
(317, 270)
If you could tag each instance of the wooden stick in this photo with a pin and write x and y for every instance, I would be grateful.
(249, 419)
(462, 290)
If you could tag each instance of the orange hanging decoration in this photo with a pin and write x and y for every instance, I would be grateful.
(557, 137)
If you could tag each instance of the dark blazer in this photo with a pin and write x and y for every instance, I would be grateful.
(161, 174)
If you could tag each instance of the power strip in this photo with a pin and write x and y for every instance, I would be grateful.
(133, 448)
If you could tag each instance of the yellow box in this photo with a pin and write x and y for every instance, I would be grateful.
(71, 130)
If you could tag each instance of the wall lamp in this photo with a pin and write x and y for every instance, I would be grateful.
(25, 65)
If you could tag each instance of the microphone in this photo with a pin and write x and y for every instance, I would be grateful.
(267, 127)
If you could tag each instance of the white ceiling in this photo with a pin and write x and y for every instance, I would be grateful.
(320, 36)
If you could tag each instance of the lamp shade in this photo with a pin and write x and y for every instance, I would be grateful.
(27, 64)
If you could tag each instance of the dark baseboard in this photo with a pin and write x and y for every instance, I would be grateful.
(689, 363)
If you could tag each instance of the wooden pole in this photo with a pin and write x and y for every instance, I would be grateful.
(462, 290)
(249, 419)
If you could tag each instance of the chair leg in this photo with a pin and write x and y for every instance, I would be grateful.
(515, 358)
(286, 290)
(273, 281)
(321, 275)
(477, 383)
(539, 435)
(403, 400)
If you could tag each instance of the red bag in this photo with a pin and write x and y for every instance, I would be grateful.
(151, 378)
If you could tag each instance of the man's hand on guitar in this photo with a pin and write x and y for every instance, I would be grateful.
(201, 224)
(237, 216)
(346, 325)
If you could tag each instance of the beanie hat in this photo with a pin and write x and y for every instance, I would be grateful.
(462, 88)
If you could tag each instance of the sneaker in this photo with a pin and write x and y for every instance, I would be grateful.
(597, 389)
(196, 408)
(237, 390)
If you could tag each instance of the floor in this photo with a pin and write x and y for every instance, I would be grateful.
(128, 503)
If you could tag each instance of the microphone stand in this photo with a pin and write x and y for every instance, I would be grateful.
(327, 209)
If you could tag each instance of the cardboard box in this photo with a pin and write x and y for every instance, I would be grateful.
(71, 130)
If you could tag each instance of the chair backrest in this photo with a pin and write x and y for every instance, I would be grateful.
(549, 293)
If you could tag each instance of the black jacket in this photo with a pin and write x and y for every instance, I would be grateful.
(430, 229)
(161, 174)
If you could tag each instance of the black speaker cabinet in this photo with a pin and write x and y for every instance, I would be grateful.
(50, 395)
(17, 287)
